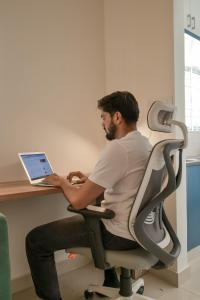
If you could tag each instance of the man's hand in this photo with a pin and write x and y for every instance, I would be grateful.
(55, 180)
(78, 197)
(81, 176)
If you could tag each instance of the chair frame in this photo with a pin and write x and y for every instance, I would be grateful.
(159, 119)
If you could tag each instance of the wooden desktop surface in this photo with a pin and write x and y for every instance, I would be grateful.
(21, 189)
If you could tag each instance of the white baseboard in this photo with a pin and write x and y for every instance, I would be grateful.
(171, 276)
(178, 279)
(65, 266)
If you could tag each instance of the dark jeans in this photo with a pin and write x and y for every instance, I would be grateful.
(43, 241)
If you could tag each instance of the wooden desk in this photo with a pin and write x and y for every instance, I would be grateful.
(22, 189)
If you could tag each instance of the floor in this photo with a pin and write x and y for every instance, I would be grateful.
(73, 285)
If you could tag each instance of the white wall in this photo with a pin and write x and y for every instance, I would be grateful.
(139, 50)
(51, 75)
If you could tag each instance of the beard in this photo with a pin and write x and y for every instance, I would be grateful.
(111, 132)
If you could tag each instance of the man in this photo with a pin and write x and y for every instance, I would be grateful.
(117, 174)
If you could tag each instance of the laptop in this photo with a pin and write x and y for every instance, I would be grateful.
(36, 166)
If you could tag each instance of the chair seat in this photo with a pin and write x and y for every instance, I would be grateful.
(137, 259)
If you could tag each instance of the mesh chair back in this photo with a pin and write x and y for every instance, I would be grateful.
(147, 220)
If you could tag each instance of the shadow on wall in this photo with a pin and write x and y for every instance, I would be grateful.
(13, 171)
(66, 150)
(72, 139)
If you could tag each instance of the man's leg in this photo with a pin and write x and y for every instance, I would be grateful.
(42, 242)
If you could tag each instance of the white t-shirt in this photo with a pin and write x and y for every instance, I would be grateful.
(120, 170)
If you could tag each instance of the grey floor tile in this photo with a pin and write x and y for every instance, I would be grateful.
(74, 283)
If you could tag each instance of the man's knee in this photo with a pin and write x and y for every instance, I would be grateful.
(33, 238)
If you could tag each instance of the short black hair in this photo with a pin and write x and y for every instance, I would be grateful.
(124, 102)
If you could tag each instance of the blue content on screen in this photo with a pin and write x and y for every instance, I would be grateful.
(37, 165)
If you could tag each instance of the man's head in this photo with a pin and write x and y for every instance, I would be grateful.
(119, 110)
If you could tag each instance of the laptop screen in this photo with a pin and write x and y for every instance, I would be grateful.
(36, 165)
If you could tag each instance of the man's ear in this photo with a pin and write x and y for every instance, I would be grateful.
(118, 117)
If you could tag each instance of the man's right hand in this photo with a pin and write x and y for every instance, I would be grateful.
(81, 177)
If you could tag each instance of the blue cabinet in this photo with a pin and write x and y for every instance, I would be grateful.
(193, 205)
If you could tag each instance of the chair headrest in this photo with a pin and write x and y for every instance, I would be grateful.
(160, 116)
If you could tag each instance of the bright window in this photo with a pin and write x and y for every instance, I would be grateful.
(192, 82)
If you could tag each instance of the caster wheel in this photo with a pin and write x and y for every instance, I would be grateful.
(141, 290)
(88, 294)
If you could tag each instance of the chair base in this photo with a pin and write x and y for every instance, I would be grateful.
(113, 293)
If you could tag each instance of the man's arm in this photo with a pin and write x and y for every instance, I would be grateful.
(78, 197)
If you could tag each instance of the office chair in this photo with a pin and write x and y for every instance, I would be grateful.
(5, 290)
(148, 223)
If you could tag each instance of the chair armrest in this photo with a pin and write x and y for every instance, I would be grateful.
(93, 211)
(92, 217)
